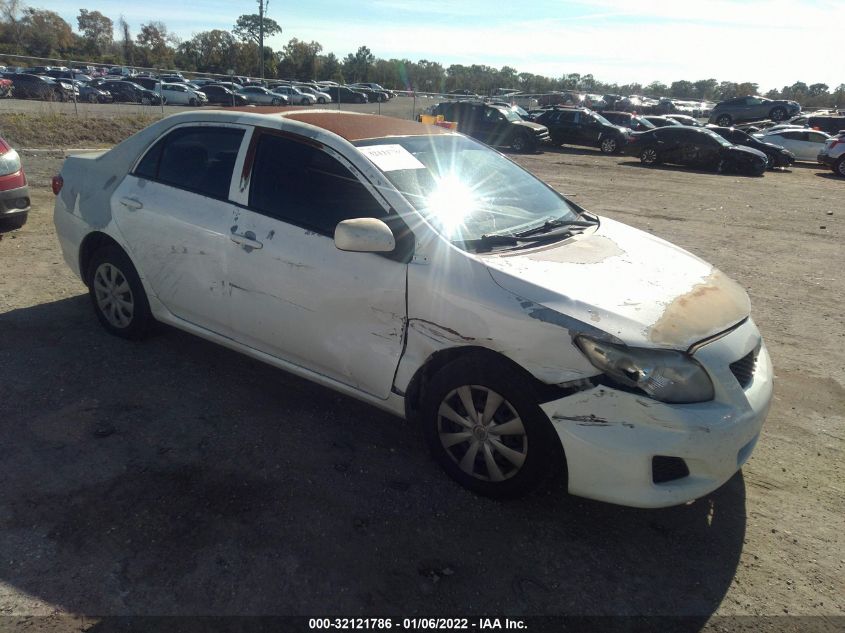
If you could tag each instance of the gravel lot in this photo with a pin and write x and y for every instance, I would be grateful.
(176, 477)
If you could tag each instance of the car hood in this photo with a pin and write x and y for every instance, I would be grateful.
(748, 153)
(536, 127)
(621, 284)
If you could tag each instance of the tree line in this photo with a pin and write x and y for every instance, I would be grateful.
(44, 33)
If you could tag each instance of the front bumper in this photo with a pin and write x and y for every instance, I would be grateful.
(825, 159)
(14, 201)
(610, 437)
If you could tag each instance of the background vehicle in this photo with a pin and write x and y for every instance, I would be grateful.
(685, 119)
(257, 95)
(221, 95)
(321, 96)
(128, 91)
(776, 155)
(494, 125)
(751, 109)
(581, 126)
(342, 94)
(805, 144)
(91, 94)
(695, 147)
(833, 154)
(180, 94)
(662, 121)
(628, 120)
(14, 191)
(295, 96)
(28, 86)
(831, 124)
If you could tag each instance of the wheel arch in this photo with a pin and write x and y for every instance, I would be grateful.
(93, 242)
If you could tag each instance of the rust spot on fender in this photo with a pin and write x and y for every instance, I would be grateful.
(711, 306)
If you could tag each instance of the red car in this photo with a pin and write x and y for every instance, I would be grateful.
(14, 192)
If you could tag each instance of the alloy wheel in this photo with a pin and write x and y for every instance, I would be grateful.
(113, 294)
(649, 156)
(608, 145)
(482, 433)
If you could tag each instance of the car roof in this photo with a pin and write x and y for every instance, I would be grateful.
(352, 126)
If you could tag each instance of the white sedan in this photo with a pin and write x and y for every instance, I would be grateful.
(804, 143)
(257, 95)
(421, 271)
(181, 94)
(295, 96)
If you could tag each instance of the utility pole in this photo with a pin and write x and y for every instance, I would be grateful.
(261, 37)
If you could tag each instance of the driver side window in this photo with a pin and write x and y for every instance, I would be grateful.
(303, 185)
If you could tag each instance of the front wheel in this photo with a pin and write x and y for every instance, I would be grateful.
(609, 145)
(484, 426)
(146, 101)
(839, 167)
(724, 120)
(649, 156)
(117, 294)
(193, 103)
(520, 143)
(92, 98)
(777, 114)
(321, 100)
(274, 102)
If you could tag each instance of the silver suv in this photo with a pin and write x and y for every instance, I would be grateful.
(731, 111)
(833, 154)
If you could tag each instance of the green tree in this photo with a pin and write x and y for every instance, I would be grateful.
(682, 89)
(298, 60)
(357, 67)
(656, 89)
(153, 46)
(45, 33)
(97, 31)
(329, 67)
(247, 28)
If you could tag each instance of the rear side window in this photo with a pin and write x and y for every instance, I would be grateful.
(303, 185)
(198, 159)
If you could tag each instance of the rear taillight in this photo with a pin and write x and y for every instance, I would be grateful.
(836, 142)
(57, 183)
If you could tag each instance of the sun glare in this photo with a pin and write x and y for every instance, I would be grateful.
(450, 203)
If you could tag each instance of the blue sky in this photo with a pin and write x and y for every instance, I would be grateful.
(772, 42)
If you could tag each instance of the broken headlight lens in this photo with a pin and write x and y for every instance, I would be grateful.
(664, 375)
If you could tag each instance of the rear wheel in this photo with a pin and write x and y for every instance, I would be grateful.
(839, 167)
(117, 294)
(484, 426)
(649, 156)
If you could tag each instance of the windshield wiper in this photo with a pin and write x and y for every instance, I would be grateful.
(551, 227)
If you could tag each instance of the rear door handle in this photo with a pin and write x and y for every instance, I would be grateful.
(132, 204)
(246, 239)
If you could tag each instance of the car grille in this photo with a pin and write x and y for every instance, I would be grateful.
(743, 369)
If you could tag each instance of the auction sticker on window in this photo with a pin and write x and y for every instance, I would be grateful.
(391, 157)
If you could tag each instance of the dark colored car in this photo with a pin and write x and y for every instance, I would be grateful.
(373, 94)
(498, 126)
(628, 120)
(685, 119)
(342, 94)
(662, 121)
(220, 95)
(728, 112)
(128, 91)
(831, 124)
(149, 83)
(91, 94)
(776, 155)
(28, 86)
(14, 190)
(582, 126)
(695, 147)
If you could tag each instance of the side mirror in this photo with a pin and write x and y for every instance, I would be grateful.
(364, 235)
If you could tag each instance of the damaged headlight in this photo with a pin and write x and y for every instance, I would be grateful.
(665, 375)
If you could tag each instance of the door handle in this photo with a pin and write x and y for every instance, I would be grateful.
(246, 239)
(132, 203)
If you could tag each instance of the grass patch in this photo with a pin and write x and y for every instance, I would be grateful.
(64, 131)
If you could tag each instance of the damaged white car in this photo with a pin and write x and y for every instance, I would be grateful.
(423, 272)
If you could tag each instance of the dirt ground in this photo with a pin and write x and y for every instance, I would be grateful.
(176, 477)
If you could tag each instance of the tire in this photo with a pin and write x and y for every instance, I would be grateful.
(321, 100)
(777, 114)
(609, 145)
(649, 156)
(92, 98)
(274, 102)
(839, 167)
(520, 143)
(14, 222)
(117, 295)
(724, 120)
(489, 462)
(146, 101)
(192, 102)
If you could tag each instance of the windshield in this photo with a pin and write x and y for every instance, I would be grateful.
(644, 122)
(722, 141)
(465, 189)
(601, 119)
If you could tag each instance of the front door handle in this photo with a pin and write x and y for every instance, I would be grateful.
(246, 239)
(132, 204)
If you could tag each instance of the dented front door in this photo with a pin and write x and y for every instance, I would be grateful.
(295, 296)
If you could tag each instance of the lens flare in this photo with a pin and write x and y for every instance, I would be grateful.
(450, 203)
